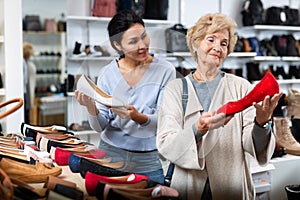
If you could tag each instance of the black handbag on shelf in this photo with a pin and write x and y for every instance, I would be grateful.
(156, 9)
(176, 38)
(33, 23)
(282, 16)
(184, 97)
(252, 12)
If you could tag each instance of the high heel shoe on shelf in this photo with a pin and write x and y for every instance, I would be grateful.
(61, 156)
(268, 86)
(92, 180)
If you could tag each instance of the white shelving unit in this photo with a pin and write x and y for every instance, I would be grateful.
(51, 43)
(11, 63)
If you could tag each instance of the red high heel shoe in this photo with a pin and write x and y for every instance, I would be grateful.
(267, 86)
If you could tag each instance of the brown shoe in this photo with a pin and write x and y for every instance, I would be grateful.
(284, 136)
(29, 173)
(6, 186)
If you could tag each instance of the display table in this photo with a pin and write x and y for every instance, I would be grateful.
(72, 177)
(286, 172)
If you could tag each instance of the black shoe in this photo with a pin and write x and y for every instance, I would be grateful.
(295, 128)
(88, 165)
(253, 71)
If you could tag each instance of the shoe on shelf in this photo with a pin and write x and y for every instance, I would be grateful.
(69, 192)
(156, 192)
(42, 129)
(29, 173)
(45, 144)
(52, 181)
(7, 187)
(61, 156)
(92, 180)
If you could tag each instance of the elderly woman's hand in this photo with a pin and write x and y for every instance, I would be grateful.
(264, 111)
(211, 120)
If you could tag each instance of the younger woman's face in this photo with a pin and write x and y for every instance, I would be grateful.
(213, 48)
(135, 43)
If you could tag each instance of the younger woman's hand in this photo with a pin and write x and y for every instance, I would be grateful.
(130, 112)
(86, 101)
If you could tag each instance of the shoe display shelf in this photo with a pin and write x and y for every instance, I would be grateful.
(49, 56)
(263, 32)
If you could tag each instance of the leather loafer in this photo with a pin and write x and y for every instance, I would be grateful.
(45, 144)
(29, 173)
(52, 181)
(69, 192)
(7, 188)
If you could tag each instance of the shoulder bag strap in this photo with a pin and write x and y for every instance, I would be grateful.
(184, 98)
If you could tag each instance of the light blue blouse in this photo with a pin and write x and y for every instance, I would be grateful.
(145, 96)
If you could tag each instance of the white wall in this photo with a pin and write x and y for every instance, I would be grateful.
(44, 8)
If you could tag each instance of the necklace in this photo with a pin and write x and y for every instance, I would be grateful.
(198, 76)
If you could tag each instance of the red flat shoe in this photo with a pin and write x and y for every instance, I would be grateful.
(61, 156)
(91, 180)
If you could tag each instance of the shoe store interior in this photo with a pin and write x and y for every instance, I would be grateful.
(52, 54)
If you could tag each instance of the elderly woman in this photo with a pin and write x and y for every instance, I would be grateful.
(210, 151)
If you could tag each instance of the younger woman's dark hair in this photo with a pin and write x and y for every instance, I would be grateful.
(120, 23)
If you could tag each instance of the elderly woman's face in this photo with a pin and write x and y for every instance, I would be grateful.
(213, 48)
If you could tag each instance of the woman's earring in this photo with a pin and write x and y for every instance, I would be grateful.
(196, 56)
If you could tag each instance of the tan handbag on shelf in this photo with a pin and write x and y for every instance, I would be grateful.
(50, 25)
